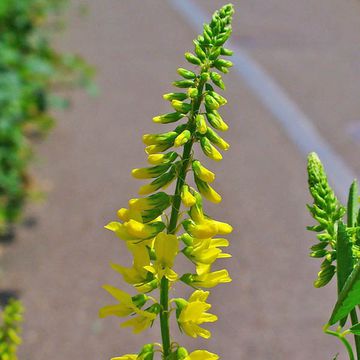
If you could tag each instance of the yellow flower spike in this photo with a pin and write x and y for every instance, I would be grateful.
(212, 279)
(209, 150)
(202, 172)
(201, 355)
(186, 197)
(207, 191)
(182, 138)
(143, 231)
(194, 313)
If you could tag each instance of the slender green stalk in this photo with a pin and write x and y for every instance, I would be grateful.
(354, 321)
(164, 289)
(343, 340)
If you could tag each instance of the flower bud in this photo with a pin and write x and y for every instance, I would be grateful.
(181, 353)
(215, 53)
(161, 182)
(175, 96)
(226, 52)
(186, 197)
(209, 150)
(183, 138)
(220, 99)
(205, 76)
(187, 74)
(158, 200)
(153, 149)
(156, 159)
(202, 172)
(207, 191)
(192, 59)
(217, 80)
(181, 106)
(192, 92)
(187, 239)
(211, 103)
(200, 52)
(184, 83)
(150, 172)
(168, 118)
(200, 124)
(157, 139)
(216, 121)
(223, 63)
(216, 139)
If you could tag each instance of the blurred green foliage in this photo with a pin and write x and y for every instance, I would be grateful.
(12, 316)
(31, 70)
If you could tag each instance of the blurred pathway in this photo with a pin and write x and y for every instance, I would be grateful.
(270, 311)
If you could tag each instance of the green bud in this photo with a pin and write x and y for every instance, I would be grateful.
(223, 63)
(192, 92)
(187, 239)
(175, 96)
(181, 107)
(216, 121)
(226, 52)
(209, 150)
(181, 353)
(200, 124)
(183, 138)
(139, 300)
(187, 74)
(220, 99)
(157, 139)
(183, 83)
(147, 352)
(217, 80)
(215, 53)
(168, 118)
(205, 76)
(211, 103)
(192, 59)
(200, 52)
(216, 139)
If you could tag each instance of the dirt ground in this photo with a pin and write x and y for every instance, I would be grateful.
(270, 311)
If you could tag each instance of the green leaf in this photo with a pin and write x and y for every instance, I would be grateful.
(353, 204)
(355, 329)
(349, 296)
(344, 259)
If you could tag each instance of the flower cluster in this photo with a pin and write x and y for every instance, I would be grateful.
(151, 226)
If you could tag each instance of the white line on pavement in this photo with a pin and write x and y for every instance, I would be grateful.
(295, 123)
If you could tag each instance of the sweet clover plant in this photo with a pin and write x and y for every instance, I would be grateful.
(338, 244)
(156, 230)
(30, 70)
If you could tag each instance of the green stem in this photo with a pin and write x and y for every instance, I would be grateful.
(354, 321)
(164, 287)
(344, 341)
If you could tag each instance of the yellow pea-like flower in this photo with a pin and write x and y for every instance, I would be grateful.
(187, 198)
(202, 172)
(194, 313)
(202, 355)
(157, 159)
(207, 191)
(182, 138)
(209, 150)
(126, 357)
(209, 280)
(203, 230)
(143, 231)
(140, 322)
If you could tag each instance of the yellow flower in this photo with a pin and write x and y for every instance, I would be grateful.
(166, 247)
(186, 197)
(141, 321)
(202, 355)
(143, 231)
(202, 172)
(210, 150)
(126, 357)
(209, 280)
(207, 191)
(194, 313)
(202, 230)
(182, 138)
(125, 307)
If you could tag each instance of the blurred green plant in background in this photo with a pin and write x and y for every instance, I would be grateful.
(30, 72)
(10, 330)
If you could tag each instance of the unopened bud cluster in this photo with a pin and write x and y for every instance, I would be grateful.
(151, 226)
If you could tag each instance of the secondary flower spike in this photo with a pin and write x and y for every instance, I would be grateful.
(162, 224)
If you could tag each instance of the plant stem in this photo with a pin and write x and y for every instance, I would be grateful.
(354, 321)
(344, 341)
(164, 287)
